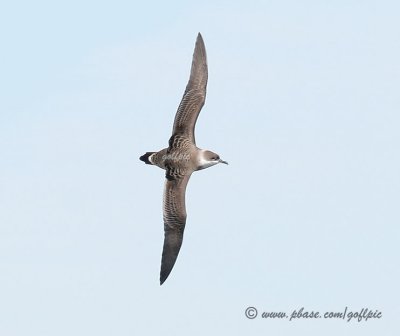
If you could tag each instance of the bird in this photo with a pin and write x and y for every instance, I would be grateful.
(181, 158)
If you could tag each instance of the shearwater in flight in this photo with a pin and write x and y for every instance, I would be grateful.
(182, 158)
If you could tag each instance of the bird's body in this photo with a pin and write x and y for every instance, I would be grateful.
(181, 158)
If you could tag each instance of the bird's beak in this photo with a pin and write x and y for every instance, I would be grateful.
(222, 161)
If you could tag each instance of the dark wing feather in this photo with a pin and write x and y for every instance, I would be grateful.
(195, 93)
(174, 213)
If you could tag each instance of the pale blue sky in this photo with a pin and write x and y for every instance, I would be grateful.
(303, 101)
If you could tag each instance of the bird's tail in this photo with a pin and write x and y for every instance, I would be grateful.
(146, 158)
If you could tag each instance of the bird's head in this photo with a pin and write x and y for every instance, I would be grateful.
(208, 159)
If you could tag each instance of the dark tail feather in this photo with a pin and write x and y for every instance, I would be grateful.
(145, 157)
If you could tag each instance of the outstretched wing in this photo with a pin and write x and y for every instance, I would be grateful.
(195, 93)
(174, 213)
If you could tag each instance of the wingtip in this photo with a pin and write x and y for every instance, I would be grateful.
(172, 245)
(166, 268)
(163, 277)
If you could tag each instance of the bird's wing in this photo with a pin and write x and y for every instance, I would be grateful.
(174, 213)
(195, 94)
